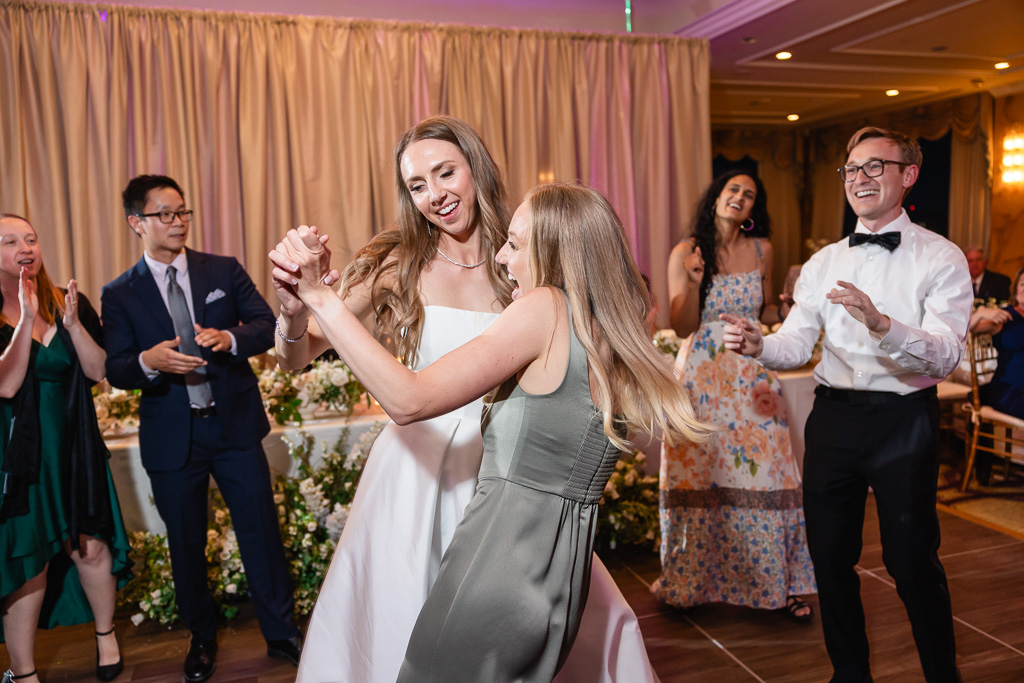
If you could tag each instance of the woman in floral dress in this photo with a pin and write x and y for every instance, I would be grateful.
(732, 519)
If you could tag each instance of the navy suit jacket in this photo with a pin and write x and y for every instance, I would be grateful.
(135, 319)
(994, 286)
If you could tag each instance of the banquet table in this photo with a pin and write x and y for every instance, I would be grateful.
(136, 495)
(798, 393)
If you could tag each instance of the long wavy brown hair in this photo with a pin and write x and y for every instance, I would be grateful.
(51, 299)
(394, 282)
(578, 245)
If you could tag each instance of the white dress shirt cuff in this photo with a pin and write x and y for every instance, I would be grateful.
(150, 373)
(234, 343)
(894, 340)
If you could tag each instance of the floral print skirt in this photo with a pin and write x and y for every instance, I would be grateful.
(732, 521)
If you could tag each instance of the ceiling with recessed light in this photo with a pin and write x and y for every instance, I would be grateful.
(846, 56)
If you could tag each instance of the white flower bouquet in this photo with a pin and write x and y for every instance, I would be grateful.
(628, 512)
(668, 342)
(330, 386)
(117, 410)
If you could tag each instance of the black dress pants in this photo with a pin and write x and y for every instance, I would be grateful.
(181, 497)
(888, 442)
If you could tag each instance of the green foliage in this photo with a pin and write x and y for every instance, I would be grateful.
(628, 512)
(312, 509)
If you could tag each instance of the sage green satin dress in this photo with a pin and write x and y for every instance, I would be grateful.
(511, 589)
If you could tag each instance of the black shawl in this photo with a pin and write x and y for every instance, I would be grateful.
(88, 497)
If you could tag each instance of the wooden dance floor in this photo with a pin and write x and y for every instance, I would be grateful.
(708, 643)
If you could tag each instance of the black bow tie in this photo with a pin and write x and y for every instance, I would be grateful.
(889, 240)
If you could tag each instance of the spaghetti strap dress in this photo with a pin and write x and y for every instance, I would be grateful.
(512, 586)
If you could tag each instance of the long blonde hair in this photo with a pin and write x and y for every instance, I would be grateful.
(51, 299)
(396, 301)
(578, 245)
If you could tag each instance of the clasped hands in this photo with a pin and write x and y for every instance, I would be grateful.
(165, 356)
(302, 267)
(744, 337)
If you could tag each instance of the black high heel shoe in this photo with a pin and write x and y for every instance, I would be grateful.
(107, 672)
(9, 676)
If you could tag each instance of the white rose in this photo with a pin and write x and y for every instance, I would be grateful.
(155, 594)
(138, 618)
(231, 588)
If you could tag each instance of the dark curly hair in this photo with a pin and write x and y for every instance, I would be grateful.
(705, 234)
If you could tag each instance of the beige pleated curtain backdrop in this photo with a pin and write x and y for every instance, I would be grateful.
(270, 121)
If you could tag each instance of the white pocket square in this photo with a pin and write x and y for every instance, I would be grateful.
(214, 295)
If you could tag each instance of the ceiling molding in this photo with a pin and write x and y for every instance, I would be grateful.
(723, 19)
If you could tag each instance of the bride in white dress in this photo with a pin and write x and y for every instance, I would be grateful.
(429, 287)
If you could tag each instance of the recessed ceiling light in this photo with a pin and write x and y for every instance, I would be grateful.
(1003, 65)
(783, 55)
(793, 117)
(892, 93)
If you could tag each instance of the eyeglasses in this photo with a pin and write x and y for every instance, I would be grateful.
(872, 169)
(168, 216)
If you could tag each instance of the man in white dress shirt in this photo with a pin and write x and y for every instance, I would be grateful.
(894, 300)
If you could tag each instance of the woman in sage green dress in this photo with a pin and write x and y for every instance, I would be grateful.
(577, 372)
(63, 546)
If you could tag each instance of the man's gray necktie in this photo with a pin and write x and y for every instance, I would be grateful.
(199, 393)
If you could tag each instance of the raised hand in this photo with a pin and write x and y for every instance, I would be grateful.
(741, 335)
(71, 305)
(303, 261)
(27, 296)
(165, 358)
(859, 305)
(283, 275)
(693, 263)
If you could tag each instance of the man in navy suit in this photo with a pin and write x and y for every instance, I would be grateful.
(987, 284)
(200, 413)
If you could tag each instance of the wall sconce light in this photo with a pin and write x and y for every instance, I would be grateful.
(1013, 159)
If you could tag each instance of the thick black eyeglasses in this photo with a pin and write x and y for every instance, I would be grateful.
(872, 169)
(168, 216)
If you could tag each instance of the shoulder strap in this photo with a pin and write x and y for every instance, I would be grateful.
(757, 248)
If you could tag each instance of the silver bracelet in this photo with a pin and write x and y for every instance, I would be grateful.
(277, 324)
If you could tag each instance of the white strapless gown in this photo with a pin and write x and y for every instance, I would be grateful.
(415, 487)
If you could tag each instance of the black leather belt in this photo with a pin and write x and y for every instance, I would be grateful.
(873, 397)
(203, 413)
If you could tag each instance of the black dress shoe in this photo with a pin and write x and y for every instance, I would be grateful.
(107, 672)
(288, 650)
(201, 660)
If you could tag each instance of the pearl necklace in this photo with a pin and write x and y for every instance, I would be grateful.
(463, 265)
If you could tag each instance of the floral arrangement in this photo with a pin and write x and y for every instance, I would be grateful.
(330, 385)
(152, 588)
(990, 302)
(312, 510)
(628, 511)
(280, 394)
(117, 410)
(668, 342)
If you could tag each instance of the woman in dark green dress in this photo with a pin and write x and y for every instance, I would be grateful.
(63, 546)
